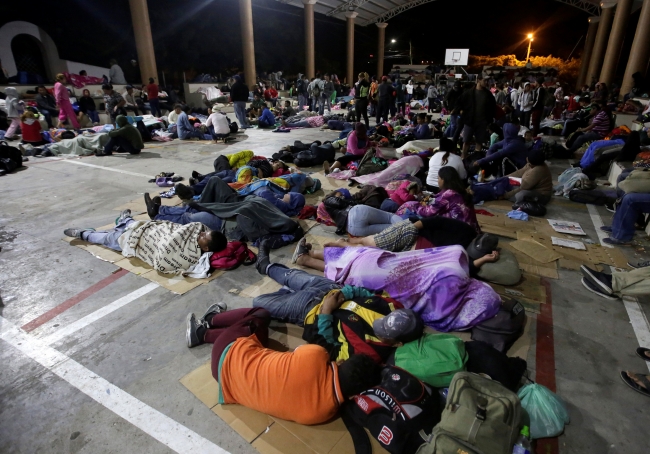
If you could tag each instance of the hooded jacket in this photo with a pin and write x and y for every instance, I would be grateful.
(512, 146)
(128, 131)
(13, 103)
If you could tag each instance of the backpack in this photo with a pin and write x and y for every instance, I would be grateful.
(433, 358)
(482, 358)
(592, 196)
(11, 157)
(481, 416)
(316, 91)
(234, 127)
(370, 195)
(394, 412)
(236, 253)
(370, 163)
(502, 330)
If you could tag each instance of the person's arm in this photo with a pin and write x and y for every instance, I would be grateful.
(422, 132)
(208, 122)
(118, 132)
(520, 173)
(504, 152)
(439, 205)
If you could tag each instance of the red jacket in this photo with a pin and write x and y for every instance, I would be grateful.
(31, 133)
(270, 93)
(401, 195)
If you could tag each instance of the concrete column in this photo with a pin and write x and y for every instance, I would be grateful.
(247, 41)
(349, 73)
(586, 53)
(598, 53)
(615, 43)
(640, 52)
(310, 66)
(380, 48)
(143, 40)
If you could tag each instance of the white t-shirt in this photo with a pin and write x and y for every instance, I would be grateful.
(409, 88)
(219, 122)
(172, 117)
(435, 164)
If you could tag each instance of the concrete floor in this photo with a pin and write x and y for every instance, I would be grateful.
(111, 384)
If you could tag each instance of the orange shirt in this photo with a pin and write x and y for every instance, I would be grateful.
(301, 386)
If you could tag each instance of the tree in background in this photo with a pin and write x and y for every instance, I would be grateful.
(568, 70)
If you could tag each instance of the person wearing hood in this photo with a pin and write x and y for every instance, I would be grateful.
(512, 147)
(126, 137)
(239, 97)
(525, 103)
(66, 112)
(15, 108)
(290, 203)
(536, 181)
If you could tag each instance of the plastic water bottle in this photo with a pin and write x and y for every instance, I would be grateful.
(522, 446)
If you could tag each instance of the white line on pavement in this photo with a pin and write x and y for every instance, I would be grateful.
(70, 161)
(94, 316)
(149, 420)
(638, 319)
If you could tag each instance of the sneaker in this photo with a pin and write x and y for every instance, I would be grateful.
(195, 331)
(216, 308)
(592, 288)
(611, 207)
(123, 215)
(639, 264)
(602, 280)
(615, 242)
(75, 232)
(301, 249)
(326, 167)
(606, 228)
(263, 257)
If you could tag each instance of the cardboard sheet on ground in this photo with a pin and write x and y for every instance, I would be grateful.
(271, 435)
(530, 265)
(529, 291)
(536, 250)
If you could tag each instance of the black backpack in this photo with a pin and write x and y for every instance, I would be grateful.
(591, 196)
(234, 127)
(400, 413)
(144, 132)
(502, 330)
(10, 157)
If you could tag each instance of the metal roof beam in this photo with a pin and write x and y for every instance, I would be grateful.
(344, 7)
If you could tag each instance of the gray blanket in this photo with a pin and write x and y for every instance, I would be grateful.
(80, 145)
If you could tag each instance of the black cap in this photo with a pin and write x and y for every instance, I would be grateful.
(482, 245)
(402, 325)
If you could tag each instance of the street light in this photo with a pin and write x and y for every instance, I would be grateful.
(393, 41)
(530, 42)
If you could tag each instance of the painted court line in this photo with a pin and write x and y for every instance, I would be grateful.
(126, 172)
(49, 315)
(638, 319)
(149, 420)
(93, 317)
(598, 223)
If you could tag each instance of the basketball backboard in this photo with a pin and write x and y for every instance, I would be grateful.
(456, 57)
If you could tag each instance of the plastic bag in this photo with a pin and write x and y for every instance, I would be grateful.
(548, 414)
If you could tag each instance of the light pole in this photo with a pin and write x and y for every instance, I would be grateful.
(530, 37)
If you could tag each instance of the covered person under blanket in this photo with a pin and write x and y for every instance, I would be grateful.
(169, 248)
(125, 139)
(303, 385)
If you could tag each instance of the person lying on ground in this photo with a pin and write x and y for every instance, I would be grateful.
(638, 382)
(180, 214)
(217, 124)
(453, 201)
(628, 210)
(125, 139)
(185, 129)
(357, 146)
(168, 247)
(309, 122)
(304, 385)
(512, 147)
(536, 181)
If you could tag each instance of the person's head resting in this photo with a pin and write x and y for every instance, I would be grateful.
(83, 73)
(107, 88)
(121, 121)
(357, 374)
(212, 241)
(61, 78)
(178, 108)
(399, 327)
(41, 90)
(277, 165)
(536, 158)
(422, 118)
(482, 245)
(449, 180)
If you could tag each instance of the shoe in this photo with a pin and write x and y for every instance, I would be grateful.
(75, 232)
(592, 288)
(263, 257)
(326, 167)
(157, 201)
(602, 280)
(639, 264)
(184, 191)
(197, 175)
(615, 242)
(606, 228)
(123, 215)
(214, 309)
(195, 331)
(192, 181)
(301, 249)
(611, 207)
(152, 209)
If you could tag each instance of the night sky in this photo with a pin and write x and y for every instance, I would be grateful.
(204, 36)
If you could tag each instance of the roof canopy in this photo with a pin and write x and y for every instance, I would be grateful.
(372, 11)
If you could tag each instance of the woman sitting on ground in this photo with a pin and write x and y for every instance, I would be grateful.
(452, 201)
(87, 106)
(447, 156)
(357, 145)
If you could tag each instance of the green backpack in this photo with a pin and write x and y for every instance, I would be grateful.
(481, 416)
(434, 358)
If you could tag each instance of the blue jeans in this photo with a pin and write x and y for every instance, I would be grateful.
(365, 221)
(325, 100)
(93, 115)
(154, 106)
(316, 103)
(300, 292)
(216, 136)
(583, 139)
(627, 213)
(107, 238)
(184, 215)
(453, 124)
(302, 102)
(240, 112)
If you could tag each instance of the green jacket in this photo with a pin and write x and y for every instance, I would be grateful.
(128, 131)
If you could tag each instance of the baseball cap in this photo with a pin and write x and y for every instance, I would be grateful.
(482, 245)
(402, 325)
